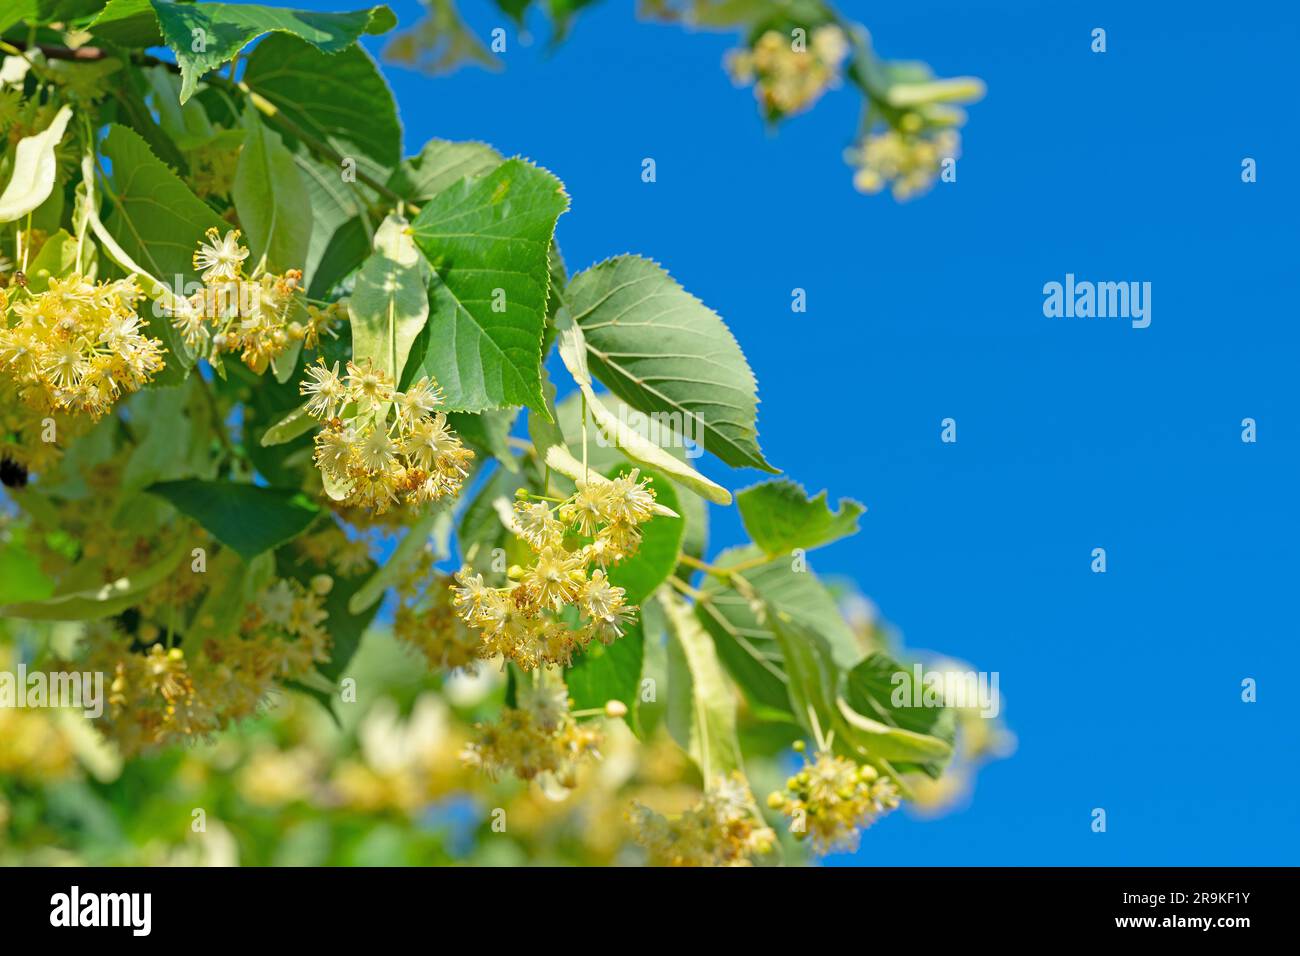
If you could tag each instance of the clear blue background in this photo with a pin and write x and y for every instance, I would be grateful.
(1123, 688)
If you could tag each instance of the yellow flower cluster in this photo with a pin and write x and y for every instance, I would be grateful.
(392, 447)
(253, 315)
(525, 623)
(906, 161)
(166, 694)
(832, 798)
(722, 829)
(426, 620)
(77, 347)
(25, 432)
(787, 78)
(538, 737)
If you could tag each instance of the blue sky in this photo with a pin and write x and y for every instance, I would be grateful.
(1123, 688)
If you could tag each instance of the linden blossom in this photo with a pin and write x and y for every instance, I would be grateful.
(61, 689)
(1102, 300)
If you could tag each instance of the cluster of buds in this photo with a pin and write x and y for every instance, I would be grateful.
(167, 694)
(789, 77)
(832, 798)
(722, 829)
(427, 621)
(531, 622)
(77, 347)
(906, 160)
(380, 446)
(538, 737)
(259, 316)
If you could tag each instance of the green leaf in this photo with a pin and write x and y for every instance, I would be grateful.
(563, 13)
(662, 351)
(65, 10)
(17, 11)
(21, 579)
(701, 712)
(128, 23)
(553, 449)
(651, 707)
(780, 517)
(487, 238)
(57, 258)
(870, 688)
(341, 230)
(336, 250)
(187, 125)
(816, 695)
(271, 199)
(285, 365)
(604, 455)
(603, 673)
(440, 164)
(340, 98)
(293, 424)
(156, 220)
(640, 449)
(812, 679)
(389, 304)
(618, 429)
(248, 518)
(138, 115)
(661, 547)
(220, 30)
(515, 10)
(159, 456)
(152, 231)
(34, 169)
(100, 602)
(744, 639)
